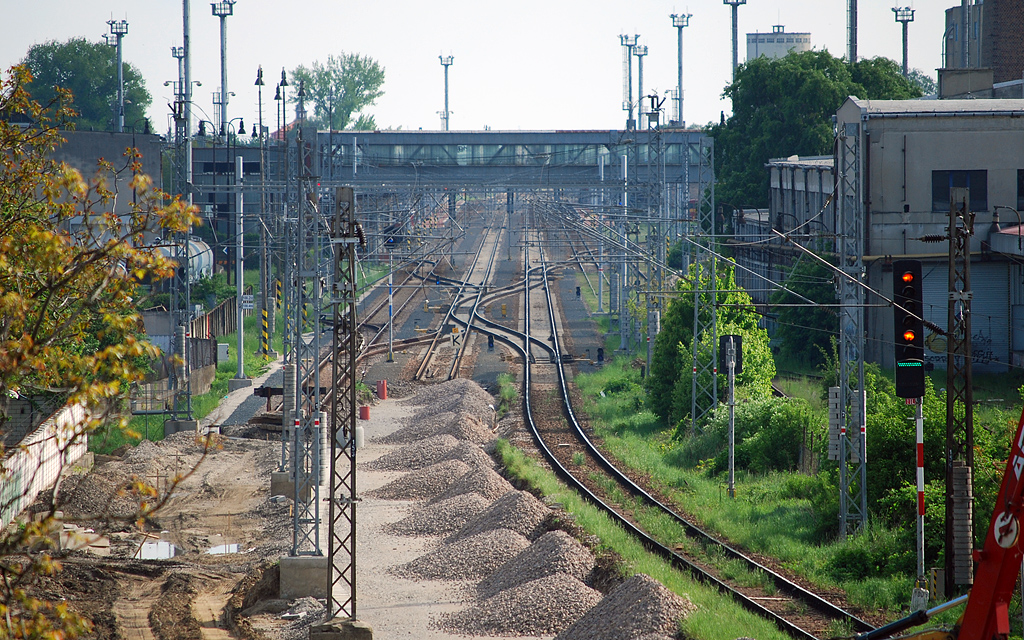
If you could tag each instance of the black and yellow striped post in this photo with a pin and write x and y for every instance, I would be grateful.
(265, 336)
(277, 292)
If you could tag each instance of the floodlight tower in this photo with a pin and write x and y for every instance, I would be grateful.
(640, 51)
(735, 4)
(904, 15)
(118, 29)
(222, 10)
(627, 81)
(446, 61)
(680, 21)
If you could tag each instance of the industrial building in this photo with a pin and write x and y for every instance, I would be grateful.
(777, 44)
(909, 154)
(986, 38)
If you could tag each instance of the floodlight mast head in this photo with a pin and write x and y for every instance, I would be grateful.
(223, 9)
(681, 20)
(903, 14)
(118, 27)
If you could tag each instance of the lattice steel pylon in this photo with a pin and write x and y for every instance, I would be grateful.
(306, 431)
(181, 298)
(704, 386)
(341, 564)
(853, 512)
(656, 225)
(959, 397)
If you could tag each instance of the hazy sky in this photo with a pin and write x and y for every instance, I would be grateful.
(531, 64)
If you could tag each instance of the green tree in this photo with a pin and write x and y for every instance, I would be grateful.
(923, 81)
(783, 106)
(339, 90)
(803, 332)
(89, 71)
(669, 383)
(69, 274)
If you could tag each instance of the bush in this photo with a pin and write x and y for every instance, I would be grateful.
(770, 434)
(875, 554)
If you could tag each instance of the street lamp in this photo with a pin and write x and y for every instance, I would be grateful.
(996, 209)
(239, 261)
(118, 29)
(904, 15)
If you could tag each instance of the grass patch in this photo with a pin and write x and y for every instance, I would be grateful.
(508, 393)
(716, 618)
(777, 514)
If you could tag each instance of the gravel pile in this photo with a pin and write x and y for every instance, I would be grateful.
(456, 396)
(544, 606)
(424, 484)
(555, 552)
(472, 454)
(417, 455)
(469, 558)
(97, 495)
(481, 480)
(639, 607)
(463, 426)
(516, 510)
(440, 518)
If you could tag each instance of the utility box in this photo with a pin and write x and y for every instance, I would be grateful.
(222, 352)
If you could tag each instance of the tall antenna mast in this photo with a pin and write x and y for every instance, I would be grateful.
(680, 22)
(628, 42)
(735, 4)
(446, 61)
(851, 31)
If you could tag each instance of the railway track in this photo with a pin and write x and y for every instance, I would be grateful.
(793, 608)
(551, 418)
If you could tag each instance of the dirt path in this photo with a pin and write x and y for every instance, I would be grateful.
(208, 607)
(133, 607)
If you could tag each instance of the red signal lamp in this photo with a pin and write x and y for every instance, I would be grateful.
(908, 277)
(909, 335)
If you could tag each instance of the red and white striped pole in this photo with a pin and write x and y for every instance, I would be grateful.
(919, 420)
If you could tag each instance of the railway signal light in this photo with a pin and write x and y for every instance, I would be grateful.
(908, 327)
(723, 343)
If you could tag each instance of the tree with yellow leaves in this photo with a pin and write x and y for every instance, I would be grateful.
(70, 271)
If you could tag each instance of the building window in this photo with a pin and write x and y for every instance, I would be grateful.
(761, 40)
(771, 39)
(976, 181)
(1020, 189)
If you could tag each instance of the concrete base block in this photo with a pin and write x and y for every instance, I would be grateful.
(281, 485)
(177, 426)
(234, 384)
(303, 577)
(340, 629)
